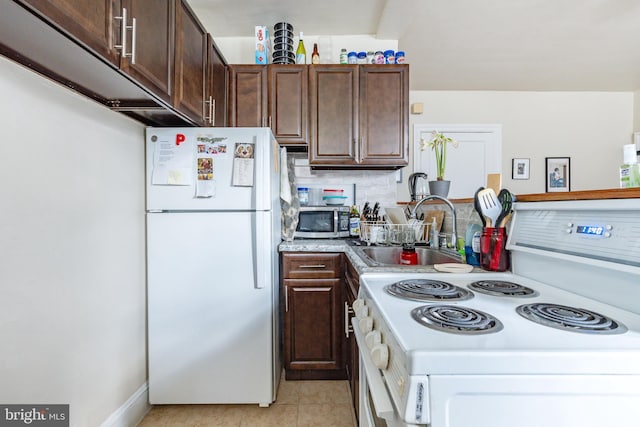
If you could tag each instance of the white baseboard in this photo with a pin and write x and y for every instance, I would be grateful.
(132, 411)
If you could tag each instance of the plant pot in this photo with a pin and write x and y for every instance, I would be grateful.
(439, 188)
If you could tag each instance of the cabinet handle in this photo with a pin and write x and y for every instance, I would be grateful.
(313, 266)
(123, 36)
(269, 121)
(133, 40)
(286, 298)
(356, 149)
(360, 145)
(123, 32)
(347, 323)
(209, 118)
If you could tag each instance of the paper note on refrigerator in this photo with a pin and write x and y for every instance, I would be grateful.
(243, 165)
(172, 162)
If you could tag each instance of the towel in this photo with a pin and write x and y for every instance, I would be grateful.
(285, 185)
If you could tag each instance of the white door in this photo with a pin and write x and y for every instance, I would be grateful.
(210, 321)
(479, 153)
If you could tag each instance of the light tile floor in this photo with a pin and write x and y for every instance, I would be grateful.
(298, 404)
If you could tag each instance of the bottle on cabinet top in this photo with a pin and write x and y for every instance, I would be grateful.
(301, 52)
(315, 56)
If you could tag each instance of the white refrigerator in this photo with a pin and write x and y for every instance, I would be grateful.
(213, 227)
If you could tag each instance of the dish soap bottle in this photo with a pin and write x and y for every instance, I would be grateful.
(472, 244)
(354, 222)
(301, 52)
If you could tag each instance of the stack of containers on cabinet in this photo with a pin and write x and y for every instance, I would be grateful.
(283, 52)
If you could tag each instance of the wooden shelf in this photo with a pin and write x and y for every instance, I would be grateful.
(616, 193)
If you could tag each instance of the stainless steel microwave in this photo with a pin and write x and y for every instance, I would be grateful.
(323, 222)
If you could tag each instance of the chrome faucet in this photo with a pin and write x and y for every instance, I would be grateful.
(454, 234)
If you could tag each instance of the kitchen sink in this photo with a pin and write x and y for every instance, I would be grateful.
(390, 255)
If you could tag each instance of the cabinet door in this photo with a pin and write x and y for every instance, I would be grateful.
(288, 112)
(247, 95)
(90, 22)
(190, 63)
(216, 98)
(333, 114)
(313, 319)
(155, 28)
(384, 115)
(352, 355)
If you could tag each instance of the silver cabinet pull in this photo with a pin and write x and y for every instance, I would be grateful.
(123, 32)
(133, 40)
(123, 36)
(313, 266)
(210, 117)
(347, 324)
(286, 298)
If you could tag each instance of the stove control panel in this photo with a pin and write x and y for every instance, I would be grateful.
(603, 234)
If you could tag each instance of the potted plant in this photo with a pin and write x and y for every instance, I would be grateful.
(438, 143)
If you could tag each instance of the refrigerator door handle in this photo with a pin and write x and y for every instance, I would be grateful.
(262, 251)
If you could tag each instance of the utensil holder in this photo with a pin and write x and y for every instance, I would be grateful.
(493, 252)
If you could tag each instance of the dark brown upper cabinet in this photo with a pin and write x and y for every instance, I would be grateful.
(190, 64)
(359, 116)
(272, 96)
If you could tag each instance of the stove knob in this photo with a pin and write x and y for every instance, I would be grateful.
(373, 338)
(362, 312)
(380, 355)
(365, 324)
(357, 304)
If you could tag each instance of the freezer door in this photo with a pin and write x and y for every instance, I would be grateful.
(210, 312)
(172, 168)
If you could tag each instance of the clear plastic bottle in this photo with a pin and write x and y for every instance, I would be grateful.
(343, 56)
(434, 241)
(301, 52)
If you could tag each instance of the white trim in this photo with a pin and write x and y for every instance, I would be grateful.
(132, 411)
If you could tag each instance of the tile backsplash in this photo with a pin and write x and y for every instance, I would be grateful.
(377, 186)
(371, 185)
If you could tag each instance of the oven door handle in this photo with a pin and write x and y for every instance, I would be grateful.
(379, 393)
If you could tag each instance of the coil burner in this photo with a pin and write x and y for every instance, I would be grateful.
(502, 288)
(456, 319)
(570, 318)
(427, 290)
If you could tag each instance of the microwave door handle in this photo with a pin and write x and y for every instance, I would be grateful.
(336, 223)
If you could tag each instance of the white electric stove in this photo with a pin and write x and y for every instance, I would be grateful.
(555, 342)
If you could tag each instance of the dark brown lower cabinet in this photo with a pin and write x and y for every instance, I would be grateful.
(313, 311)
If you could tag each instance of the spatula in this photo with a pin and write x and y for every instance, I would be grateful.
(506, 201)
(476, 206)
(490, 205)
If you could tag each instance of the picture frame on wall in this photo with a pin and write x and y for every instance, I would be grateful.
(520, 168)
(558, 174)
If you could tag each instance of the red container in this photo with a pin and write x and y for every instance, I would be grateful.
(409, 256)
(493, 253)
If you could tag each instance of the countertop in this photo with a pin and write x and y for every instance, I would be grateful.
(349, 248)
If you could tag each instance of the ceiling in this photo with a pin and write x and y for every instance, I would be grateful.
(548, 45)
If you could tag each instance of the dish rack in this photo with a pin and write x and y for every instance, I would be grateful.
(384, 233)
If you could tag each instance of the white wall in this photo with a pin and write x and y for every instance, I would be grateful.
(241, 50)
(72, 266)
(636, 111)
(589, 127)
